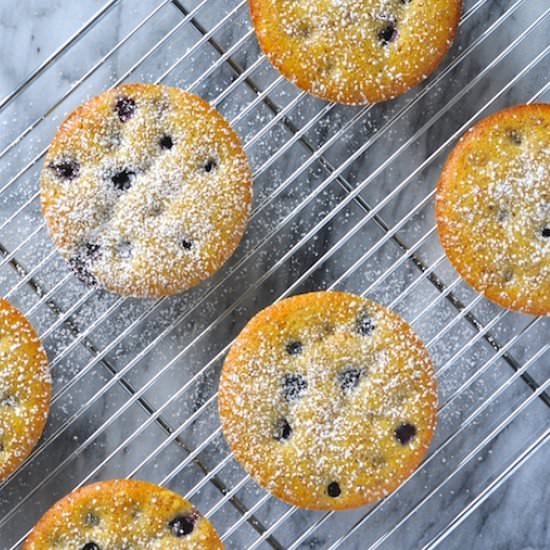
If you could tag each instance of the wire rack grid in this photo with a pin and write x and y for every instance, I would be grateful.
(343, 199)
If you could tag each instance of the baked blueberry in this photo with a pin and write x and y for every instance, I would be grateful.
(283, 430)
(122, 180)
(166, 142)
(405, 433)
(125, 108)
(90, 546)
(186, 244)
(365, 324)
(388, 33)
(294, 348)
(182, 525)
(210, 165)
(66, 169)
(546, 232)
(333, 489)
(349, 379)
(293, 386)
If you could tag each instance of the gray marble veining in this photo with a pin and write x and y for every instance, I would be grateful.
(127, 373)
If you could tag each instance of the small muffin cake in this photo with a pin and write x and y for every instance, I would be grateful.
(493, 208)
(356, 52)
(328, 400)
(121, 514)
(146, 190)
(25, 388)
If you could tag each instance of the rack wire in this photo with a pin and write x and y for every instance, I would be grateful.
(344, 199)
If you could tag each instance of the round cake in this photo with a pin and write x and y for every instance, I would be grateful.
(123, 514)
(328, 400)
(146, 190)
(356, 52)
(493, 208)
(25, 388)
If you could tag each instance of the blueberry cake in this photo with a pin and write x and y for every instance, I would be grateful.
(356, 52)
(493, 208)
(123, 514)
(146, 190)
(25, 388)
(328, 400)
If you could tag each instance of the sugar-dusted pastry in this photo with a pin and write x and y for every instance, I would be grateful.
(328, 400)
(146, 190)
(121, 514)
(356, 52)
(25, 388)
(493, 208)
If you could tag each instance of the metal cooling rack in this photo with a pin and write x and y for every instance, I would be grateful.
(344, 199)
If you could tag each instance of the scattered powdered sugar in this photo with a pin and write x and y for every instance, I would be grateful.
(328, 400)
(146, 190)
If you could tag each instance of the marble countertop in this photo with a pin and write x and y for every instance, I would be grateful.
(343, 199)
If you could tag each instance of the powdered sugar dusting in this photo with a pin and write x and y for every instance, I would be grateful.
(342, 421)
(146, 190)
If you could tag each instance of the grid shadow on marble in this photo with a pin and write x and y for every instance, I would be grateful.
(370, 248)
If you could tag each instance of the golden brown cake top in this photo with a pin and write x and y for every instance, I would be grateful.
(493, 208)
(120, 514)
(356, 51)
(328, 400)
(146, 190)
(25, 388)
